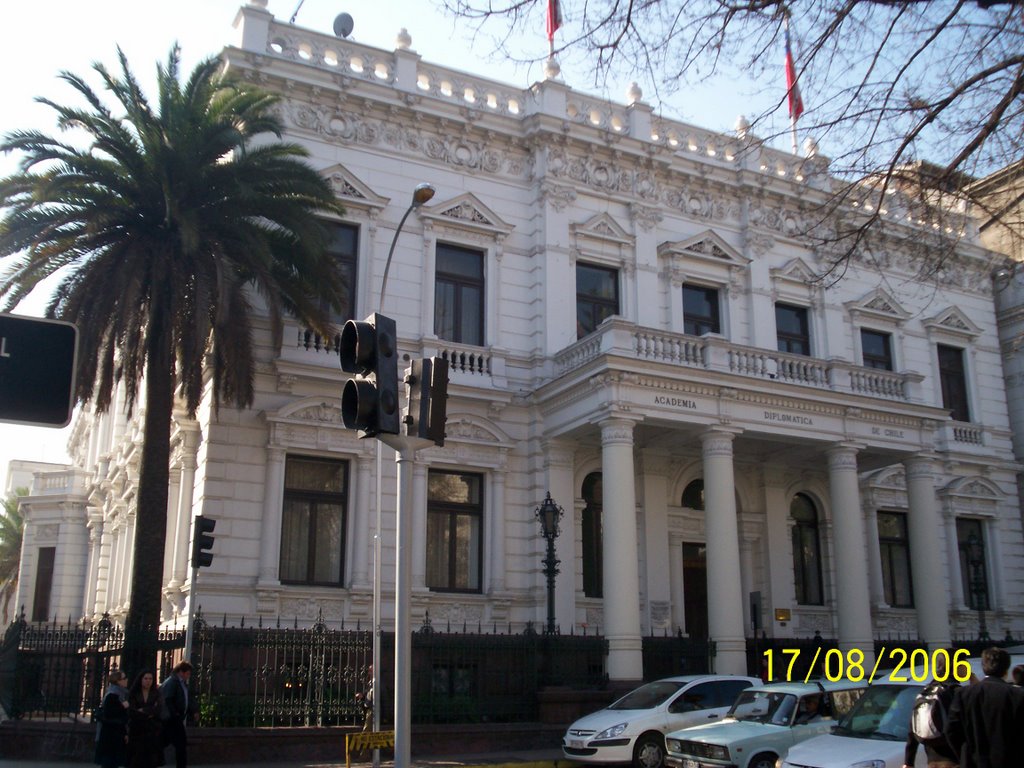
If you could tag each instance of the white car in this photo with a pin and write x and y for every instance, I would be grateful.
(763, 725)
(633, 728)
(874, 733)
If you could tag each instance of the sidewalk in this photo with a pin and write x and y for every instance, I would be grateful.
(541, 758)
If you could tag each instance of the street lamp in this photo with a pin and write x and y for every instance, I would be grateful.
(549, 514)
(976, 562)
(420, 195)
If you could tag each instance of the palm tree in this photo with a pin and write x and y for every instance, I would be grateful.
(161, 227)
(11, 528)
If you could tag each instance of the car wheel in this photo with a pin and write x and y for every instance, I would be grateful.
(762, 760)
(649, 751)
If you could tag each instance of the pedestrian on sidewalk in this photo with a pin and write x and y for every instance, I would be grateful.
(179, 708)
(986, 719)
(145, 749)
(112, 730)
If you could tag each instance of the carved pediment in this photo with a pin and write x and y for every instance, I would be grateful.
(973, 487)
(953, 321)
(707, 246)
(879, 304)
(796, 271)
(351, 190)
(604, 228)
(467, 212)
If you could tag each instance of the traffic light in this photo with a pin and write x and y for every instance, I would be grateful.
(369, 402)
(426, 383)
(202, 541)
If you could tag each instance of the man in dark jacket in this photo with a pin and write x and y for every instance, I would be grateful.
(986, 720)
(939, 752)
(178, 707)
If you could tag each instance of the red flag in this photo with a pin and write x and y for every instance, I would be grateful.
(554, 19)
(796, 103)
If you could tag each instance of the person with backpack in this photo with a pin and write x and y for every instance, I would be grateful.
(986, 719)
(928, 721)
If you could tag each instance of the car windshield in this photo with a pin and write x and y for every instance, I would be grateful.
(883, 712)
(769, 707)
(648, 696)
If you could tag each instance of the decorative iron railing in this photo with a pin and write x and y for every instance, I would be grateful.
(247, 676)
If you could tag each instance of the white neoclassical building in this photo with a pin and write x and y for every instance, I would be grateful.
(634, 325)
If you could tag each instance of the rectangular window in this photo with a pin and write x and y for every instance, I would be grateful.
(313, 521)
(970, 540)
(454, 531)
(877, 349)
(894, 546)
(792, 329)
(597, 297)
(459, 295)
(44, 584)
(700, 310)
(344, 249)
(953, 378)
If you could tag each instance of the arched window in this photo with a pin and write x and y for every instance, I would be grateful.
(693, 494)
(806, 551)
(593, 496)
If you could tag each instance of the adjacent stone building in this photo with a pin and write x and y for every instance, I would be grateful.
(635, 325)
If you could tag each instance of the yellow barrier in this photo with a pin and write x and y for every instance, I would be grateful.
(356, 742)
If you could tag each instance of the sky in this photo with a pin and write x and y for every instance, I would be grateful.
(45, 37)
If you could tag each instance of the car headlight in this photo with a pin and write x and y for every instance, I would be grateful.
(611, 733)
(718, 752)
(868, 764)
(673, 745)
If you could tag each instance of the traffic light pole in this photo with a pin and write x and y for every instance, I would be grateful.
(189, 630)
(406, 448)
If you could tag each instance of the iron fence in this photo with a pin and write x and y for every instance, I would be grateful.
(278, 675)
(670, 655)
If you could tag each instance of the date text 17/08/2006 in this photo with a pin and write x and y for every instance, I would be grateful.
(918, 665)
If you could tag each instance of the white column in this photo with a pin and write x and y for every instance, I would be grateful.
(654, 481)
(95, 526)
(116, 564)
(270, 535)
(419, 526)
(994, 566)
(621, 577)
(559, 460)
(103, 569)
(183, 526)
(675, 569)
(128, 556)
(874, 556)
(779, 533)
(851, 558)
(956, 588)
(725, 590)
(361, 516)
(926, 566)
(746, 579)
(496, 537)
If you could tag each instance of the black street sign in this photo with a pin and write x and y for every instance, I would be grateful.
(37, 370)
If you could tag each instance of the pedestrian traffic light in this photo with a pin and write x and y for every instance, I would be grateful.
(202, 541)
(426, 383)
(369, 402)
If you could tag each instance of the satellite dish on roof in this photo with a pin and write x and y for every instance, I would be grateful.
(343, 25)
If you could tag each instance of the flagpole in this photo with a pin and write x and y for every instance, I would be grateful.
(791, 63)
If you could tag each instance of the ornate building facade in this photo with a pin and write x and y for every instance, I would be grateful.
(634, 324)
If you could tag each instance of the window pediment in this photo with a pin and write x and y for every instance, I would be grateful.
(795, 271)
(707, 247)
(603, 228)
(352, 191)
(466, 212)
(953, 322)
(879, 305)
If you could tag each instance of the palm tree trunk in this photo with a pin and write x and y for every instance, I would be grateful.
(146, 599)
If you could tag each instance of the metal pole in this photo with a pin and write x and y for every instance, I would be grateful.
(377, 620)
(551, 571)
(189, 631)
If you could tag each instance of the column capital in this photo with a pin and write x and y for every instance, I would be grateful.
(558, 453)
(617, 429)
(276, 453)
(843, 455)
(919, 466)
(717, 440)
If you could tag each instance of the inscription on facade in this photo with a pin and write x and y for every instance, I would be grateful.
(788, 418)
(675, 402)
(887, 432)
